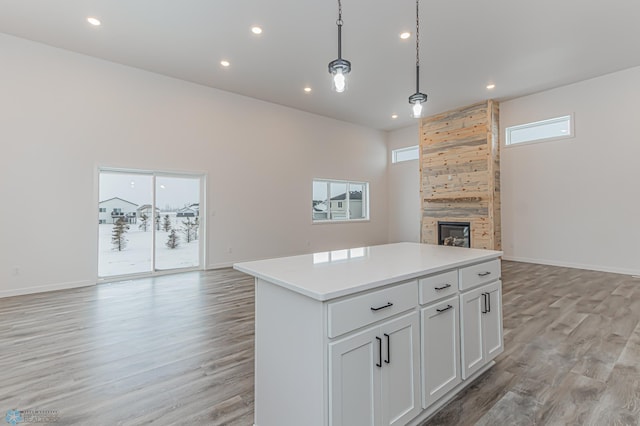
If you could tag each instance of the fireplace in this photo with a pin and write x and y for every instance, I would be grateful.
(454, 234)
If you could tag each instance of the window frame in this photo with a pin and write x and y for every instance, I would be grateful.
(571, 133)
(155, 270)
(345, 202)
(394, 154)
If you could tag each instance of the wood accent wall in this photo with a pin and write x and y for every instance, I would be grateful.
(460, 173)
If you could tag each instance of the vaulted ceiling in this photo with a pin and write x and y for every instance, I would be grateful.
(520, 46)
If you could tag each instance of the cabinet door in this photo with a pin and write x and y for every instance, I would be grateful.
(492, 321)
(354, 380)
(472, 345)
(400, 370)
(440, 350)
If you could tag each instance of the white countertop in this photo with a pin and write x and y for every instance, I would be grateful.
(328, 275)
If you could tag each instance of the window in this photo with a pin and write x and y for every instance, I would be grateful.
(554, 128)
(339, 201)
(405, 154)
(102, 210)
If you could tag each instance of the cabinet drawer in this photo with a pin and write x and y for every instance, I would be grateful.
(481, 273)
(438, 286)
(356, 312)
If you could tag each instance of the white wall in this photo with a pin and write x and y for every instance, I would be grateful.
(62, 115)
(576, 202)
(403, 188)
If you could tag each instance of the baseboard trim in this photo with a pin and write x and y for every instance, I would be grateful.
(44, 288)
(220, 265)
(598, 268)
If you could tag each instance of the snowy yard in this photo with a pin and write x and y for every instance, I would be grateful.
(136, 256)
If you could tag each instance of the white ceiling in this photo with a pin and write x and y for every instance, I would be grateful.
(521, 46)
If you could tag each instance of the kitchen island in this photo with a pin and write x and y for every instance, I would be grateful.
(380, 335)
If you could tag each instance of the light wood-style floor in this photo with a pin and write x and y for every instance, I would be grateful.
(179, 350)
(173, 350)
(572, 353)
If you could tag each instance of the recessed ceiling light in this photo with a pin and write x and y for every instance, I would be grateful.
(224, 63)
(256, 30)
(491, 86)
(405, 35)
(307, 89)
(93, 21)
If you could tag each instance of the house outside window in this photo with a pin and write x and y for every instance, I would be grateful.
(339, 201)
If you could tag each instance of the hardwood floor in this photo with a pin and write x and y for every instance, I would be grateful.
(572, 353)
(170, 350)
(179, 350)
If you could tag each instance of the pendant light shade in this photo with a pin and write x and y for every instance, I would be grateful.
(417, 99)
(339, 68)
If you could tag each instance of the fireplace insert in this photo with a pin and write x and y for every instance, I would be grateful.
(454, 234)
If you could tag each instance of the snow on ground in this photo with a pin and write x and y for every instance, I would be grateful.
(136, 257)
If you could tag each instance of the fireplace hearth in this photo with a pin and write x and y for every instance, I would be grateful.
(456, 234)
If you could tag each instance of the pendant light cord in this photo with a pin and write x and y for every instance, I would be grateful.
(339, 23)
(417, 47)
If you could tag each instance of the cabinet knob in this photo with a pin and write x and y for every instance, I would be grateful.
(443, 287)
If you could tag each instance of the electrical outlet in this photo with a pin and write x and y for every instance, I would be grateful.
(15, 271)
(229, 250)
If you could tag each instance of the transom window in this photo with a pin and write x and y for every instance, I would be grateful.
(339, 201)
(405, 154)
(551, 129)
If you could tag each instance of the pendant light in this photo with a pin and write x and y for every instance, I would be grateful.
(339, 68)
(417, 99)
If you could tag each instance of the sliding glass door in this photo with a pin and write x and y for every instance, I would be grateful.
(124, 243)
(148, 222)
(177, 237)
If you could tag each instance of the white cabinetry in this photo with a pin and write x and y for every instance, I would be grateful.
(440, 349)
(354, 381)
(374, 375)
(481, 320)
(383, 338)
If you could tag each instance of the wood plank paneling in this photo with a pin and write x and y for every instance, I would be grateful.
(460, 173)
